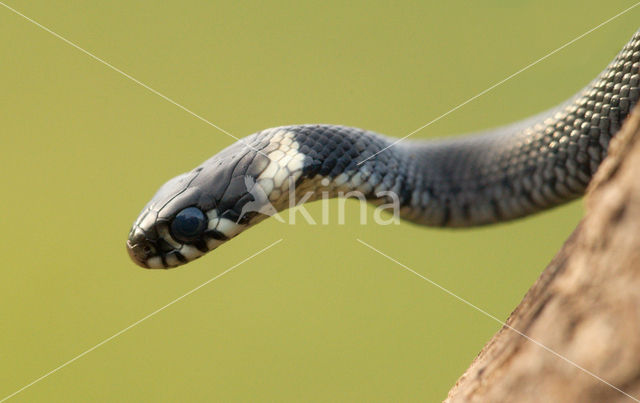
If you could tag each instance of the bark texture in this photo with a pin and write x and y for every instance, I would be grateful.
(585, 306)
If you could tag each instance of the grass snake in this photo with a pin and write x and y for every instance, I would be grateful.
(481, 178)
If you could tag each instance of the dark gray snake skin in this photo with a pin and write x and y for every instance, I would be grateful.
(478, 179)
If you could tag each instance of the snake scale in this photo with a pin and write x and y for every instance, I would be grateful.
(471, 180)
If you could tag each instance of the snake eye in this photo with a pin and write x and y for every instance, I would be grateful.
(188, 224)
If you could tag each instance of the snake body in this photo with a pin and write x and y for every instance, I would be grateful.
(477, 179)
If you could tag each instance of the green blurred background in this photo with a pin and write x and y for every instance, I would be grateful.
(318, 317)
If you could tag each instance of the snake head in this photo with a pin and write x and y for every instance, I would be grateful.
(196, 212)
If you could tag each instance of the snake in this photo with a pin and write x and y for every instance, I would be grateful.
(469, 180)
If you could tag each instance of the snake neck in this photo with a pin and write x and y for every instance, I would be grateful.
(486, 177)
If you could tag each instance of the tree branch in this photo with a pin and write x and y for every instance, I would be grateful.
(585, 306)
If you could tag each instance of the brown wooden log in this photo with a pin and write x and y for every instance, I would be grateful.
(585, 306)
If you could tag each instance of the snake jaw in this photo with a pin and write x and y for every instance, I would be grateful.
(152, 246)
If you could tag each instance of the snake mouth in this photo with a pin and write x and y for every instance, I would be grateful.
(139, 253)
(152, 243)
(146, 254)
(156, 249)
